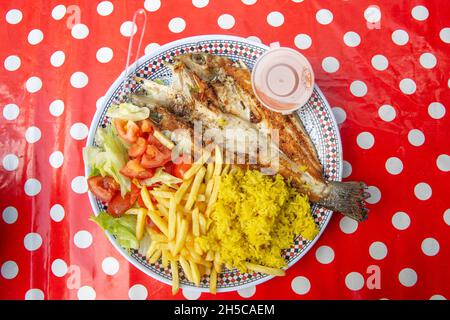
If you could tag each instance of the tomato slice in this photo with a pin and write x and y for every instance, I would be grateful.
(156, 155)
(138, 148)
(103, 188)
(141, 202)
(128, 130)
(133, 169)
(134, 194)
(146, 126)
(118, 205)
(180, 169)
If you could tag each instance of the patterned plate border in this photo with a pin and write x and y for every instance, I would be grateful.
(316, 116)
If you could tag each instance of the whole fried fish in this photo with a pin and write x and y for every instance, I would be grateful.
(218, 92)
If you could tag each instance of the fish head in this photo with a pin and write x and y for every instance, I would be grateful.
(204, 65)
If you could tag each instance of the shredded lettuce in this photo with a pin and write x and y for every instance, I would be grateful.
(122, 228)
(163, 177)
(109, 158)
(128, 111)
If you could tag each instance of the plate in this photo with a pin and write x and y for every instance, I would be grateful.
(316, 116)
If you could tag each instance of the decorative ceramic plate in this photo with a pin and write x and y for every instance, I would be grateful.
(316, 116)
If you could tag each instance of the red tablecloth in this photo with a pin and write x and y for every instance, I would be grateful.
(383, 66)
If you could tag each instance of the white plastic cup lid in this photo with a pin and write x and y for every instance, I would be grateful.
(282, 79)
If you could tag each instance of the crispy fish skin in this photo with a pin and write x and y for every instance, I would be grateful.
(208, 87)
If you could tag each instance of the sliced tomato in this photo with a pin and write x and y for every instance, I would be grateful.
(135, 193)
(138, 148)
(141, 202)
(118, 205)
(146, 126)
(133, 169)
(180, 169)
(128, 130)
(156, 155)
(103, 188)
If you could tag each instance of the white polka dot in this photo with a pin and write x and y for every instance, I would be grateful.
(420, 13)
(138, 292)
(32, 187)
(10, 215)
(80, 31)
(82, 239)
(447, 216)
(12, 63)
(191, 295)
(444, 34)
(32, 241)
(408, 86)
(86, 293)
(105, 8)
(110, 266)
(324, 16)
(325, 254)
(56, 159)
(151, 47)
(11, 111)
(59, 12)
(301, 285)
(430, 247)
(79, 185)
(79, 80)
(79, 131)
(416, 137)
(57, 212)
(372, 14)
(375, 194)
(330, 64)
(247, 292)
(428, 60)
(104, 54)
(59, 268)
(226, 21)
(407, 277)
(33, 134)
(34, 294)
(35, 36)
(380, 62)
(128, 28)
(254, 39)
(401, 220)
(437, 297)
(378, 250)
(99, 102)
(57, 59)
(348, 225)
(200, 3)
(249, 2)
(152, 5)
(443, 162)
(177, 25)
(400, 37)
(56, 108)
(302, 41)
(394, 165)
(10, 162)
(339, 114)
(365, 140)
(275, 19)
(423, 191)
(347, 169)
(354, 281)
(9, 270)
(14, 16)
(358, 88)
(352, 39)
(33, 84)
(387, 113)
(436, 110)
(297, 1)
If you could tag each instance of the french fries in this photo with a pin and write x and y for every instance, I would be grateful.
(266, 270)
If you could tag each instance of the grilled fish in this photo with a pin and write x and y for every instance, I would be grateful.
(218, 92)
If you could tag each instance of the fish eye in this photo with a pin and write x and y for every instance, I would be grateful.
(198, 58)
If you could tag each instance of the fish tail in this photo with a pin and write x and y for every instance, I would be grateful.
(347, 198)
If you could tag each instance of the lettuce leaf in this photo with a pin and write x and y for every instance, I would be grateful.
(108, 159)
(128, 111)
(122, 228)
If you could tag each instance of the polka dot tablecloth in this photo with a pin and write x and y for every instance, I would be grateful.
(383, 65)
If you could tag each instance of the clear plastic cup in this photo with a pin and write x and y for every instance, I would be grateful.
(282, 79)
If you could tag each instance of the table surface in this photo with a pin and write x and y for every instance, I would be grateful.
(383, 66)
